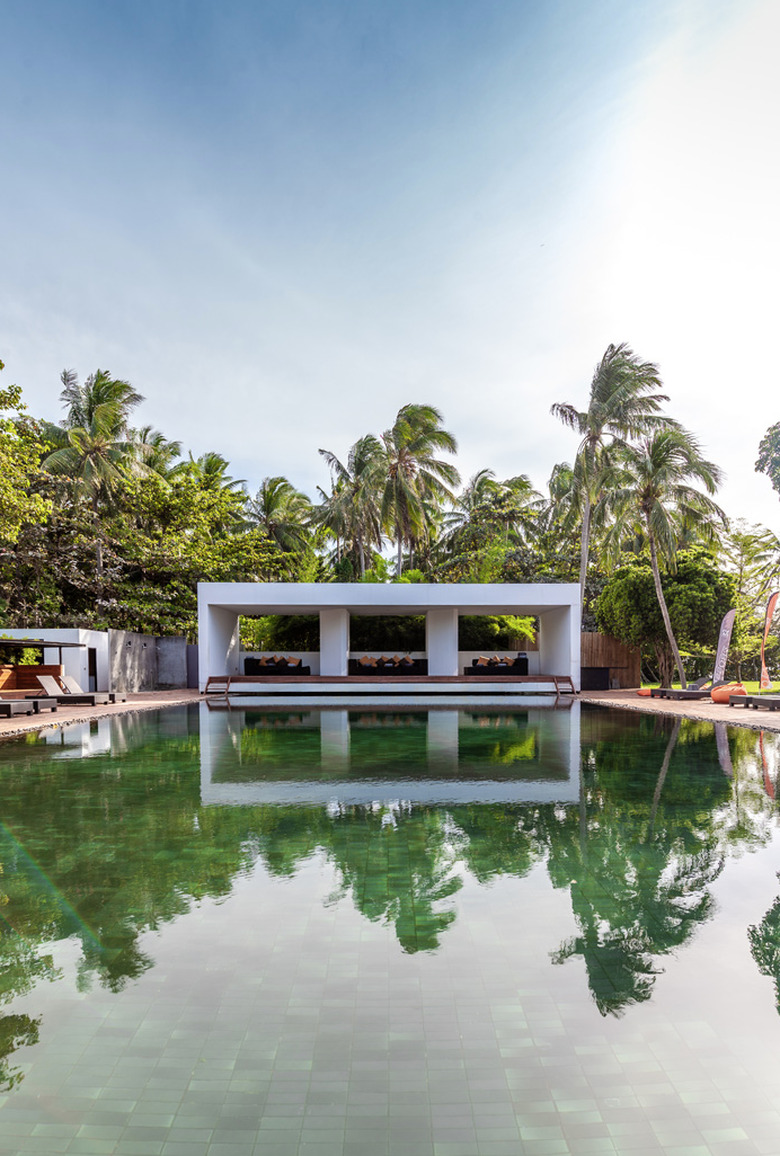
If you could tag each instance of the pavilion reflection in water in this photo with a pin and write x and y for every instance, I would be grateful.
(254, 755)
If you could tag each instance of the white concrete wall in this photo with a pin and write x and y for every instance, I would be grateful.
(334, 642)
(75, 662)
(441, 640)
(219, 644)
(559, 643)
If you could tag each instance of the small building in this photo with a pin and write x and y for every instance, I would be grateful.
(556, 606)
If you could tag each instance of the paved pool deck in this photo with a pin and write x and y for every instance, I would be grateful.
(622, 699)
(705, 708)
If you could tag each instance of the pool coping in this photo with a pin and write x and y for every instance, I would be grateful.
(66, 715)
(704, 710)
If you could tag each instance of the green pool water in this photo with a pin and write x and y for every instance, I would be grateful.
(390, 930)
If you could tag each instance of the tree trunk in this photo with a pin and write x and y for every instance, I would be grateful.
(665, 660)
(664, 609)
(659, 786)
(400, 562)
(362, 556)
(584, 546)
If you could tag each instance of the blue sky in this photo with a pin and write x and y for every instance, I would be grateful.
(282, 221)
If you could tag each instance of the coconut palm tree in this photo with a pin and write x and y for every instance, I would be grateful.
(652, 491)
(99, 389)
(155, 451)
(210, 471)
(283, 512)
(415, 479)
(486, 508)
(93, 450)
(624, 404)
(352, 511)
(481, 488)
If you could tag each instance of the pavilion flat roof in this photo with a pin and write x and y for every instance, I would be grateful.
(389, 598)
(39, 643)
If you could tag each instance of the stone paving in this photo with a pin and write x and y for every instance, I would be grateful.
(705, 708)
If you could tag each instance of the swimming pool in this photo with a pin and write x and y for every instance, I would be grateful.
(386, 930)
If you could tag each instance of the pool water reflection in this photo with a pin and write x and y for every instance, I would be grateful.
(384, 930)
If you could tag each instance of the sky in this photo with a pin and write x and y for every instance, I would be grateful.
(281, 220)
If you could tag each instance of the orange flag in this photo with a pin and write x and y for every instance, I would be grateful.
(766, 681)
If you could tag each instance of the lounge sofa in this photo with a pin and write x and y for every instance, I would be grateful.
(490, 667)
(394, 667)
(278, 665)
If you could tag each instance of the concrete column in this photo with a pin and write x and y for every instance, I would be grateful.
(441, 640)
(334, 641)
(218, 643)
(334, 740)
(559, 643)
(442, 740)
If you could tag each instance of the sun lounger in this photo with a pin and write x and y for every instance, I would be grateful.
(693, 693)
(51, 689)
(14, 706)
(72, 687)
(40, 703)
(757, 701)
(696, 691)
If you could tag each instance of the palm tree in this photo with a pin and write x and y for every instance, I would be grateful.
(623, 405)
(352, 511)
(210, 471)
(155, 451)
(481, 488)
(284, 512)
(93, 450)
(99, 389)
(651, 493)
(415, 480)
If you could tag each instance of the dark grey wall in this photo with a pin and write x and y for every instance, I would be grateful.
(171, 662)
(192, 665)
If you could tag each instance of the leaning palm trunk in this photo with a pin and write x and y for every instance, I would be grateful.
(584, 549)
(659, 786)
(664, 609)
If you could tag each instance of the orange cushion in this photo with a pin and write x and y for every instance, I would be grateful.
(721, 693)
(644, 691)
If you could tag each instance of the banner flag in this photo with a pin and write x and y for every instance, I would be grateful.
(724, 754)
(724, 638)
(766, 681)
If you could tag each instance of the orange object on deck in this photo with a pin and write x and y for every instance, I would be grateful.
(721, 693)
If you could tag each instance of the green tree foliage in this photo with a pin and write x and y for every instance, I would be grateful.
(284, 513)
(21, 449)
(159, 541)
(651, 493)
(351, 513)
(624, 403)
(769, 456)
(697, 596)
(752, 555)
(416, 481)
